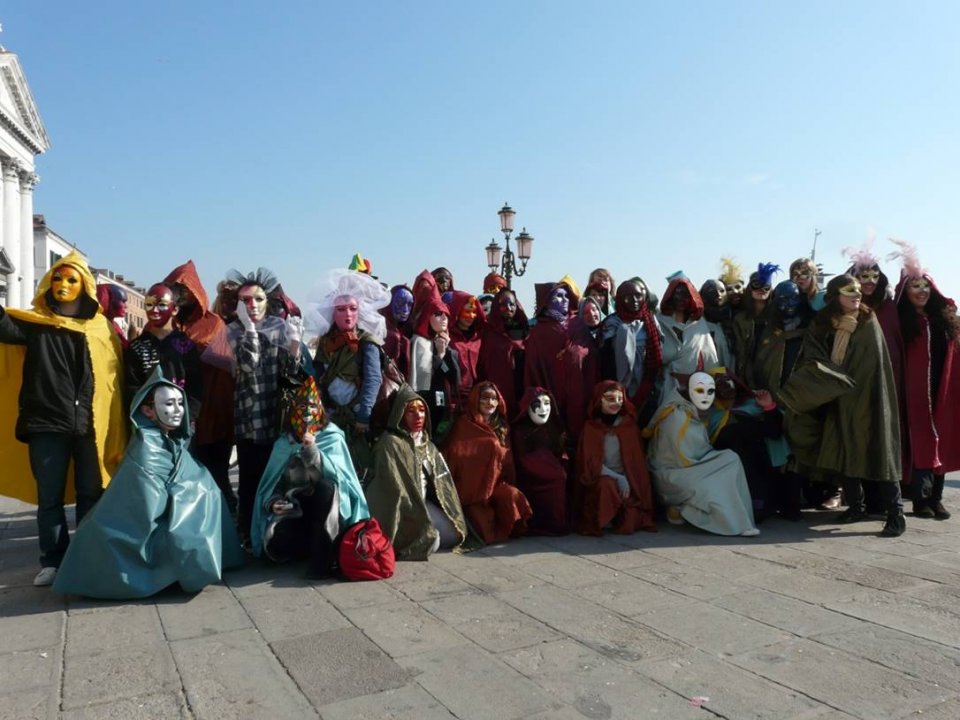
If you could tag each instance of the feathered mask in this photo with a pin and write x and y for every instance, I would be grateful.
(732, 272)
(764, 274)
(908, 254)
(261, 276)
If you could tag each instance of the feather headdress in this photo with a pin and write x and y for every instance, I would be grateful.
(261, 276)
(732, 272)
(908, 254)
(862, 257)
(765, 273)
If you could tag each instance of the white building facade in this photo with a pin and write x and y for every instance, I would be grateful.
(22, 138)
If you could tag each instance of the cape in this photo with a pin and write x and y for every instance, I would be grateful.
(541, 475)
(599, 502)
(109, 424)
(394, 492)
(578, 371)
(844, 419)
(708, 486)
(502, 357)
(482, 467)
(162, 520)
(337, 467)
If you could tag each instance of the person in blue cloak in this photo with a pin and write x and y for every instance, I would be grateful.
(161, 519)
(309, 493)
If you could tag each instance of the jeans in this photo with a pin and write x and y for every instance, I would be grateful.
(252, 460)
(888, 493)
(50, 456)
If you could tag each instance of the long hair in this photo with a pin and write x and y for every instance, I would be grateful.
(823, 320)
(935, 307)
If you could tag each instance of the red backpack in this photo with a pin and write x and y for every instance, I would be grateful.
(366, 553)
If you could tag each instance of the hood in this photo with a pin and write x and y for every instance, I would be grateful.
(89, 305)
(401, 398)
(141, 421)
(496, 322)
(187, 276)
(694, 307)
(473, 402)
(387, 310)
(902, 287)
(430, 303)
(524, 405)
(457, 303)
(542, 294)
(600, 388)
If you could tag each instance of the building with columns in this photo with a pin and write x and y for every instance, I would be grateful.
(22, 138)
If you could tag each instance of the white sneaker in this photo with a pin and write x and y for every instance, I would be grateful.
(45, 577)
(752, 532)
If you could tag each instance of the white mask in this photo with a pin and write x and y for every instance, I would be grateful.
(702, 389)
(539, 410)
(168, 407)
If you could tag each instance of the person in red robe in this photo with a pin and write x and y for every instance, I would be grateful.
(466, 333)
(578, 367)
(612, 479)
(396, 346)
(213, 439)
(502, 347)
(481, 462)
(930, 399)
(538, 441)
(549, 336)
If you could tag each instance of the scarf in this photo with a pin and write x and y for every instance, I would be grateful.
(339, 339)
(843, 325)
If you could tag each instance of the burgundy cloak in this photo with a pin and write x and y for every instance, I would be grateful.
(541, 475)
(502, 356)
(481, 463)
(467, 344)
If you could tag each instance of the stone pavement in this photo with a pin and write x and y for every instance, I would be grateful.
(811, 620)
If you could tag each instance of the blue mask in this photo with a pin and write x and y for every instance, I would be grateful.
(786, 298)
(401, 305)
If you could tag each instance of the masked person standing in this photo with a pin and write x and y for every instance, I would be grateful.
(62, 396)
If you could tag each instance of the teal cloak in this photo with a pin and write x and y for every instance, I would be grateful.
(337, 467)
(161, 520)
(708, 486)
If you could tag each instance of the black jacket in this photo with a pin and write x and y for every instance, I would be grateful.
(57, 390)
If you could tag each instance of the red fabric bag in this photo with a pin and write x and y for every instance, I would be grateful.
(366, 553)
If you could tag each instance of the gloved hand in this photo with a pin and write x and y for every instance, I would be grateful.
(244, 317)
(623, 487)
(294, 330)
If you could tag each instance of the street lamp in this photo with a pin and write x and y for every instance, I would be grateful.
(504, 259)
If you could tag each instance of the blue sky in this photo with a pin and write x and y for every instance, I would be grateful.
(643, 137)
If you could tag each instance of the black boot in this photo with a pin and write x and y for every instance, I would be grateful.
(851, 515)
(895, 525)
(939, 511)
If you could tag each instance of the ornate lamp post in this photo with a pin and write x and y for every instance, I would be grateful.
(503, 259)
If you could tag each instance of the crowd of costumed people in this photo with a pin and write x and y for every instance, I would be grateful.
(399, 420)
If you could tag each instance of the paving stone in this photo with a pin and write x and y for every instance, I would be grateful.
(691, 581)
(712, 628)
(608, 633)
(30, 704)
(949, 710)
(520, 551)
(802, 585)
(732, 692)
(403, 628)
(628, 595)
(903, 612)
(596, 686)
(26, 670)
(214, 610)
(927, 661)
(794, 616)
(291, 612)
(338, 665)
(359, 594)
(570, 571)
(167, 705)
(407, 703)
(235, 675)
(26, 632)
(422, 581)
(843, 681)
(491, 623)
(489, 574)
(604, 551)
(474, 685)
(119, 671)
(112, 627)
(865, 575)
(919, 567)
(260, 577)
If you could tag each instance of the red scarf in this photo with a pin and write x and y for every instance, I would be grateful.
(341, 338)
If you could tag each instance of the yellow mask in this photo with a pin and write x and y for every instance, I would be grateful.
(66, 284)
